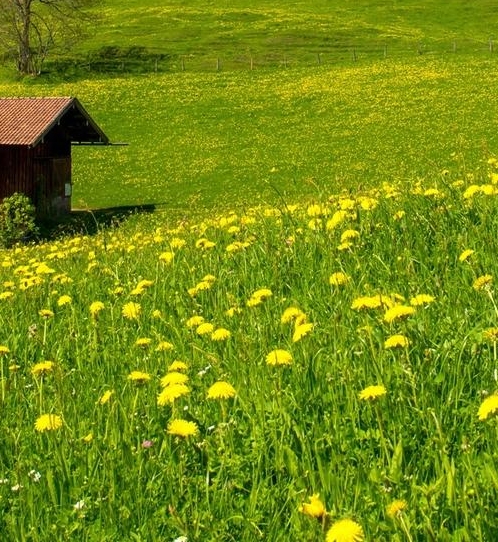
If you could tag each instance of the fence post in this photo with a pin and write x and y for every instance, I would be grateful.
(354, 54)
(252, 64)
(319, 58)
(183, 64)
(490, 45)
(385, 50)
(218, 65)
(454, 46)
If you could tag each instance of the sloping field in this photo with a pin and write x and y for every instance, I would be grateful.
(216, 139)
(301, 342)
(234, 31)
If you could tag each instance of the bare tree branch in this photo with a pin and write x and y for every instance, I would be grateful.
(31, 29)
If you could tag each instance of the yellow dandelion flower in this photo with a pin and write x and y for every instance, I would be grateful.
(118, 290)
(279, 357)
(262, 293)
(488, 407)
(96, 307)
(421, 299)
(236, 246)
(398, 215)
(471, 191)
(368, 203)
(301, 331)
(139, 377)
(194, 321)
(170, 393)
(209, 278)
(143, 342)
(132, 310)
(315, 508)
(178, 365)
(42, 368)
(491, 334)
(166, 257)
(395, 508)
(164, 346)
(137, 291)
(202, 286)
(64, 300)
(176, 242)
(316, 210)
(347, 235)
(345, 530)
(221, 390)
(397, 312)
(367, 302)
(14, 368)
(220, 334)
(372, 392)
(205, 329)
(347, 203)
(204, 243)
(232, 311)
(44, 269)
(87, 439)
(156, 313)
(46, 313)
(465, 255)
(290, 314)
(4, 349)
(182, 428)
(433, 192)
(172, 378)
(105, 397)
(482, 282)
(48, 422)
(336, 219)
(6, 295)
(345, 246)
(144, 283)
(259, 296)
(396, 341)
(339, 279)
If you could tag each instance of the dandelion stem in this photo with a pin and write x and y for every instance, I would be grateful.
(490, 295)
(405, 528)
(44, 332)
(381, 431)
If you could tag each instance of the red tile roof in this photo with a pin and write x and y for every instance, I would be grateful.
(24, 121)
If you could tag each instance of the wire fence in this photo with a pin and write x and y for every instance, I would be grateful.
(116, 60)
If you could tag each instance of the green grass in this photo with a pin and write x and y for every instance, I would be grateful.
(291, 431)
(205, 141)
(235, 31)
(383, 152)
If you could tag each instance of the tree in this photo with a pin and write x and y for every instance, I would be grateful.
(31, 29)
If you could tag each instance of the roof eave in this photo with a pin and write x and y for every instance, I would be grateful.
(104, 140)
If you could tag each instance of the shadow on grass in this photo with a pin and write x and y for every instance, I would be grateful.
(91, 221)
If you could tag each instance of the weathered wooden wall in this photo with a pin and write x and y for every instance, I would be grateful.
(41, 172)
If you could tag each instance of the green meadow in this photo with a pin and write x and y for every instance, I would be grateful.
(205, 140)
(298, 340)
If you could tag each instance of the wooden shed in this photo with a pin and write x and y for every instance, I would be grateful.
(36, 135)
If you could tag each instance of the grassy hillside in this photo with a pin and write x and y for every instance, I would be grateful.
(201, 31)
(220, 139)
(279, 374)
(318, 371)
